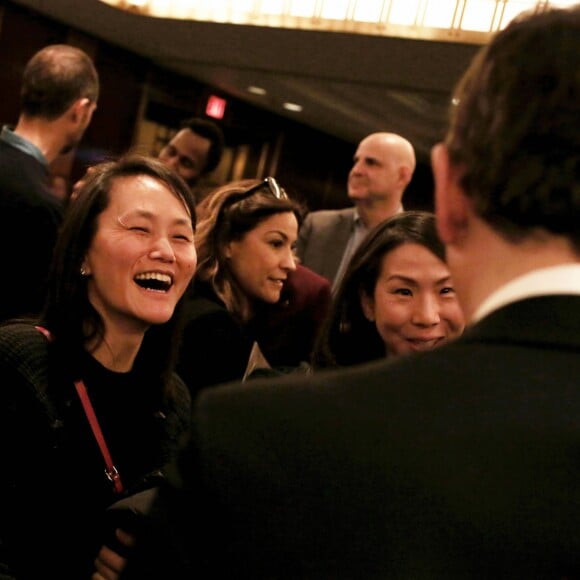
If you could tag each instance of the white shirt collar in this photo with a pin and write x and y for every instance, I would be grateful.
(564, 279)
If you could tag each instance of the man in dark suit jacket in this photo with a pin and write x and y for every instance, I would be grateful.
(461, 462)
(383, 166)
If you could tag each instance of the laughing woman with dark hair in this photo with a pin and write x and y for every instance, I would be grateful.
(86, 416)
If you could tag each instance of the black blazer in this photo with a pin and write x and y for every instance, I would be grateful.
(462, 462)
(215, 347)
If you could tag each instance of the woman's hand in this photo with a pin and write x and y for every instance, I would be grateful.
(109, 564)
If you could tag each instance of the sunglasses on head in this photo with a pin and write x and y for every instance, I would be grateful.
(272, 185)
(269, 183)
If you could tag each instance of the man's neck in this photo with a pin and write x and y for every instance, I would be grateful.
(486, 262)
(373, 212)
(42, 134)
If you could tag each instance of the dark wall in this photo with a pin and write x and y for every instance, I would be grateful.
(312, 165)
(22, 33)
(121, 76)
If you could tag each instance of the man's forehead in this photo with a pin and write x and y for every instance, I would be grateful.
(187, 139)
(368, 152)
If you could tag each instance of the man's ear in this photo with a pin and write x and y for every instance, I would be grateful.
(405, 174)
(80, 109)
(451, 204)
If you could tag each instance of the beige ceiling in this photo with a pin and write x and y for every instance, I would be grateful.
(348, 84)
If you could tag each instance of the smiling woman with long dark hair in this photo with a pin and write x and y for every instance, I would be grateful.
(396, 296)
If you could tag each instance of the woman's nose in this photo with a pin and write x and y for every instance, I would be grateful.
(172, 161)
(426, 311)
(163, 250)
(289, 260)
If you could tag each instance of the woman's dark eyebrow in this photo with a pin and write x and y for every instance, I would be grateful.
(404, 279)
(408, 280)
(279, 232)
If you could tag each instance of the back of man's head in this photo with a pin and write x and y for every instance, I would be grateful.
(54, 78)
(209, 130)
(515, 131)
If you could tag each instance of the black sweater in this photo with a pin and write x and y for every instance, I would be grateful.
(53, 487)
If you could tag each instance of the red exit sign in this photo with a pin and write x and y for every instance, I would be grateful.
(216, 107)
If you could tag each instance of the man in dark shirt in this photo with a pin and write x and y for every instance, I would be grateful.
(194, 152)
(59, 93)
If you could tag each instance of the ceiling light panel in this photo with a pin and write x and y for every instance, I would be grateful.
(451, 20)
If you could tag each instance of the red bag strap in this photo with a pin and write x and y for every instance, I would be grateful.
(45, 331)
(110, 470)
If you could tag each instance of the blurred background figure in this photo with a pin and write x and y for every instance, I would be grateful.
(382, 168)
(396, 296)
(194, 152)
(59, 93)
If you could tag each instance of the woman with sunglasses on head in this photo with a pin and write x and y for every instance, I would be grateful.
(396, 296)
(86, 415)
(245, 241)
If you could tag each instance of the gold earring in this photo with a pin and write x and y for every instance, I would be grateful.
(84, 271)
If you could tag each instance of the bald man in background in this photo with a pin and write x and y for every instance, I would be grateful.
(383, 166)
